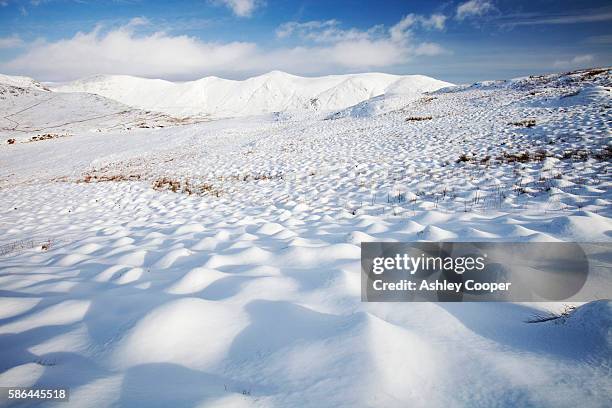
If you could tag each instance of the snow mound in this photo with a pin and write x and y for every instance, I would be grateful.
(582, 226)
(595, 319)
(196, 333)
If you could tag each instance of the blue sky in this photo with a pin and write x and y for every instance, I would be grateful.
(458, 41)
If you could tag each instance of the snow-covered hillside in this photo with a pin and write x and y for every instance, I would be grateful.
(273, 92)
(218, 263)
(21, 82)
(28, 109)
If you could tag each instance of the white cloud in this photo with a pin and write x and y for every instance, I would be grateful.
(353, 48)
(402, 31)
(436, 21)
(122, 51)
(327, 48)
(241, 8)
(138, 21)
(473, 8)
(429, 49)
(328, 31)
(579, 61)
(13, 41)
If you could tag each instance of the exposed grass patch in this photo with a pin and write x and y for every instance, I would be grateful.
(252, 177)
(24, 244)
(418, 118)
(506, 157)
(46, 136)
(464, 158)
(94, 178)
(520, 157)
(427, 99)
(528, 123)
(592, 73)
(604, 154)
(185, 187)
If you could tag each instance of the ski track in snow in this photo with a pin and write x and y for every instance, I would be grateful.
(248, 292)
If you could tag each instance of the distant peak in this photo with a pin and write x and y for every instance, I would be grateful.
(276, 74)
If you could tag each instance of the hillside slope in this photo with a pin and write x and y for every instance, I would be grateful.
(27, 109)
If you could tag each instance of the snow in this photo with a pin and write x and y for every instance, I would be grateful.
(246, 292)
(29, 109)
(21, 82)
(273, 92)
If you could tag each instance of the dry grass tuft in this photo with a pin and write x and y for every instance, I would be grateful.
(418, 118)
(528, 123)
(46, 136)
(185, 187)
(94, 178)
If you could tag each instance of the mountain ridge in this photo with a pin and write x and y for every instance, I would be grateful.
(271, 92)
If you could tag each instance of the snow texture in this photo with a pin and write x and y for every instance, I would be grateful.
(154, 261)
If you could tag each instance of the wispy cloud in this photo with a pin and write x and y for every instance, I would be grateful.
(435, 21)
(585, 16)
(324, 31)
(13, 41)
(241, 8)
(412, 21)
(330, 31)
(579, 61)
(473, 8)
(600, 39)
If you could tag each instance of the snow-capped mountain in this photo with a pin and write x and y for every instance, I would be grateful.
(273, 92)
(28, 109)
(21, 82)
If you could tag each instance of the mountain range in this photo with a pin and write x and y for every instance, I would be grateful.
(272, 92)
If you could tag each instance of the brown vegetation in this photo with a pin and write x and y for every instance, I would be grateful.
(89, 178)
(528, 123)
(46, 136)
(24, 244)
(186, 187)
(418, 118)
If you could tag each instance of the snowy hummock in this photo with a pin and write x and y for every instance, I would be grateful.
(117, 282)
